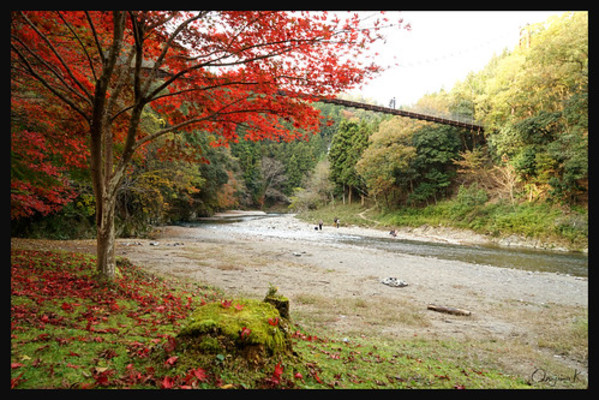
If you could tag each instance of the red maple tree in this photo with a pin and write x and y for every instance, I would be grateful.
(201, 71)
(41, 154)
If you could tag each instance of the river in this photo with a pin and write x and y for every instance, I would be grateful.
(572, 263)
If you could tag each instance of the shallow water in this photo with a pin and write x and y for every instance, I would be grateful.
(572, 263)
(527, 259)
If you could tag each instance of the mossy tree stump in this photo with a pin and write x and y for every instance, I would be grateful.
(251, 329)
(281, 303)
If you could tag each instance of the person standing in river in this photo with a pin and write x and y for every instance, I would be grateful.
(336, 222)
(320, 225)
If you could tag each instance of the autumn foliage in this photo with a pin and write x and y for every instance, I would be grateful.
(105, 72)
(41, 153)
(69, 331)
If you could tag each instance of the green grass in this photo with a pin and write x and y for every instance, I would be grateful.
(67, 331)
(540, 221)
(384, 364)
(347, 214)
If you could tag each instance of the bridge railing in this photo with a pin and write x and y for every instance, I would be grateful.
(404, 113)
(439, 114)
(452, 121)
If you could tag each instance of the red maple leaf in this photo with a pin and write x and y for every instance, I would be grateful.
(101, 376)
(171, 360)
(245, 332)
(170, 345)
(200, 374)
(15, 381)
(276, 375)
(167, 382)
(226, 303)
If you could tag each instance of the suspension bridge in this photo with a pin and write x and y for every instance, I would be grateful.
(403, 113)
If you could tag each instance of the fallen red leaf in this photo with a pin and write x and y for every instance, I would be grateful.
(171, 360)
(200, 373)
(167, 382)
(101, 376)
(245, 332)
(276, 375)
(226, 303)
(170, 344)
(15, 381)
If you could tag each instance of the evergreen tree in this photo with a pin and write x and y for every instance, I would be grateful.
(347, 147)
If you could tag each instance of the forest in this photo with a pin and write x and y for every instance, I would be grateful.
(532, 101)
(124, 122)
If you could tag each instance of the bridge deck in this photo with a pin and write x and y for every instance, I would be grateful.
(403, 113)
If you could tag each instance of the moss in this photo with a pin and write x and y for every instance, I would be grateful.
(209, 345)
(244, 327)
(281, 303)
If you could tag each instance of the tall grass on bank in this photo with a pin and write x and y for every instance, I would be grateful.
(539, 221)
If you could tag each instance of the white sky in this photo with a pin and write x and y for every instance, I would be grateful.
(442, 48)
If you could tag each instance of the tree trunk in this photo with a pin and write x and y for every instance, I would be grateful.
(105, 262)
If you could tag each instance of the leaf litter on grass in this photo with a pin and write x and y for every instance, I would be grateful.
(70, 331)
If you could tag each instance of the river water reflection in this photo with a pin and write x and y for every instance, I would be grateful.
(531, 260)
(572, 263)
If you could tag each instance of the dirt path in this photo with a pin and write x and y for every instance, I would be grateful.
(361, 215)
(338, 287)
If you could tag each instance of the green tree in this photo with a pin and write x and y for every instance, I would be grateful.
(436, 148)
(346, 150)
(249, 157)
(386, 165)
(533, 102)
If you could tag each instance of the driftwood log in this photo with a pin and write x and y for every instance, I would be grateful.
(448, 310)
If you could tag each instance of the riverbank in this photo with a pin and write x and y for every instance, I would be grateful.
(520, 320)
(136, 345)
(536, 227)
